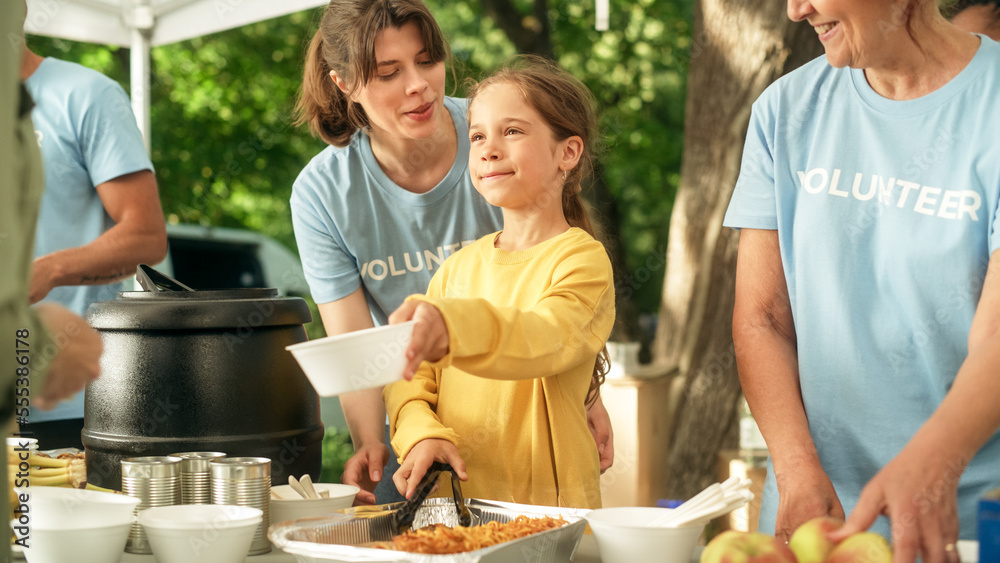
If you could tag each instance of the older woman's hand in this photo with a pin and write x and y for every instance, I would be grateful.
(803, 494)
(918, 491)
(364, 470)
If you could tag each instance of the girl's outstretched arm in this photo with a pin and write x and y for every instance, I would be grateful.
(565, 324)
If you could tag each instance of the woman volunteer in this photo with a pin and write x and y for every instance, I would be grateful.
(380, 209)
(867, 319)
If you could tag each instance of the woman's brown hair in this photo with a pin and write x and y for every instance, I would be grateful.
(345, 42)
(569, 109)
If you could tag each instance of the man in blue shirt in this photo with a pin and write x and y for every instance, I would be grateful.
(100, 212)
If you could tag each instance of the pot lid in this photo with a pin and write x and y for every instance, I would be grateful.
(167, 304)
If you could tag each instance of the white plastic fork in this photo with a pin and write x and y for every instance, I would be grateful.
(717, 499)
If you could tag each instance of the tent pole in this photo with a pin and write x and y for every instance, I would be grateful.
(141, 22)
(139, 66)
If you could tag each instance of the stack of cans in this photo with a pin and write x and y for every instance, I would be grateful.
(155, 481)
(196, 476)
(245, 481)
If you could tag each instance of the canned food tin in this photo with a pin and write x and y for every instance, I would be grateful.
(245, 481)
(155, 481)
(196, 476)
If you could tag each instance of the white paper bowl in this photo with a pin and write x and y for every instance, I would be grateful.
(204, 533)
(295, 507)
(356, 360)
(623, 537)
(52, 508)
(102, 543)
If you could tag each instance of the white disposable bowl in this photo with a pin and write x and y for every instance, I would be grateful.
(198, 516)
(103, 543)
(341, 496)
(623, 537)
(204, 533)
(53, 508)
(355, 360)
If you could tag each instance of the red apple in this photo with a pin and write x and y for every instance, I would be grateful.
(809, 543)
(863, 547)
(746, 547)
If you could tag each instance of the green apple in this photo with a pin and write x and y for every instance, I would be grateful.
(863, 547)
(809, 543)
(746, 547)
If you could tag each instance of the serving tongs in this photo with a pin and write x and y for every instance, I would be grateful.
(155, 282)
(403, 518)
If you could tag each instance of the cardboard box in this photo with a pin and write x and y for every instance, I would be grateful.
(750, 464)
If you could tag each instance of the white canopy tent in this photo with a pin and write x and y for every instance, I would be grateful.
(142, 24)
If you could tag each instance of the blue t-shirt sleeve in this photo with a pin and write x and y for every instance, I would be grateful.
(110, 141)
(753, 205)
(331, 271)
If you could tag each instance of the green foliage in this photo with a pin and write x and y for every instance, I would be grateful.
(637, 70)
(226, 151)
(337, 449)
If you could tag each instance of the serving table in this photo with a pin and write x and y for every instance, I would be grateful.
(586, 553)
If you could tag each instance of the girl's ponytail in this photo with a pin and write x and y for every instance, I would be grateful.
(575, 211)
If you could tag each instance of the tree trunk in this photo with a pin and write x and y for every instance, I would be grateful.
(738, 48)
(529, 34)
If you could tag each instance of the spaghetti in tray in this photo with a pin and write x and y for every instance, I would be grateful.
(440, 539)
(351, 535)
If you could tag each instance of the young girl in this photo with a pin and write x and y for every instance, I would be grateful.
(373, 87)
(514, 324)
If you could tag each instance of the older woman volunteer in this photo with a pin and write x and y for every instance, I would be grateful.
(867, 319)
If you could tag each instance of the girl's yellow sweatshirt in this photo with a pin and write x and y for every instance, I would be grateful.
(525, 329)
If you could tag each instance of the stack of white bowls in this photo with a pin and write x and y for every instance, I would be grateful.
(79, 525)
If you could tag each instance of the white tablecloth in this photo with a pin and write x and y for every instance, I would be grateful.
(586, 553)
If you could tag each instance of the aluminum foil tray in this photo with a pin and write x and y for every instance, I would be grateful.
(336, 537)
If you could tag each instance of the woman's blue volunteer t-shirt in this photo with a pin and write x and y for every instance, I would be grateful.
(886, 213)
(355, 227)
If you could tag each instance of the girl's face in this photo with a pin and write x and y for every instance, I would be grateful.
(515, 160)
(853, 32)
(405, 98)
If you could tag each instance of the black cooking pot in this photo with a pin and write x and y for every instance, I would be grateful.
(186, 370)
